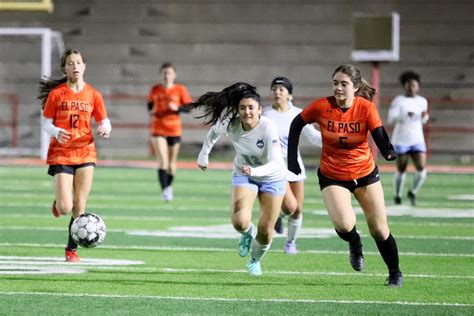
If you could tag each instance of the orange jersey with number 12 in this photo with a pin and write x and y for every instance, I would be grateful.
(346, 154)
(73, 112)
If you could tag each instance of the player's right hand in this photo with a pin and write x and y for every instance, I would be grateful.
(63, 136)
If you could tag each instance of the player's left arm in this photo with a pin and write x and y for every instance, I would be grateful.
(379, 134)
(100, 116)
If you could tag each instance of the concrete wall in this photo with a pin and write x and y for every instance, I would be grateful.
(216, 43)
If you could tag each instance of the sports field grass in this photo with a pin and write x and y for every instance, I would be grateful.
(181, 257)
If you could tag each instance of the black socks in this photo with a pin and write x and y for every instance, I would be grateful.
(71, 244)
(388, 250)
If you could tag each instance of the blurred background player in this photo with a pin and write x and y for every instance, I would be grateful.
(68, 107)
(347, 165)
(408, 113)
(282, 112)
(165, 102)
(259, 169)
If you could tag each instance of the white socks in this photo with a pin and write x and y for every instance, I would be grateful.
(399, 182)
(259, 250)
(250, 231)
(418, 180)
(294, 226)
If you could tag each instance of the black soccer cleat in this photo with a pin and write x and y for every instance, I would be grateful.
(279, 225)
(412, 198)
(397, 200)
(356, 257)
(394, 279)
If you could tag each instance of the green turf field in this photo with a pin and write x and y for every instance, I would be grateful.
(181, 257)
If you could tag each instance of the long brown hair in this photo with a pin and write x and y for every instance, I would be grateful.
(365, 90)
(48, 84)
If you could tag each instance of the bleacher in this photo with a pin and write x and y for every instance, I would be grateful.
(215, 43)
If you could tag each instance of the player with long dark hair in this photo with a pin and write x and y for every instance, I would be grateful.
(347, 165)
(68, 107)
(259, 169)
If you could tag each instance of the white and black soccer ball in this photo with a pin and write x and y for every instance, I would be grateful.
(88, 230)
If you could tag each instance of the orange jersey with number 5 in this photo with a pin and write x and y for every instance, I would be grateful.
(73, 112)
(345, 154)
(165, 121)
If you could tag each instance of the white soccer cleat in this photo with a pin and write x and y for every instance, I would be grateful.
(254, 267)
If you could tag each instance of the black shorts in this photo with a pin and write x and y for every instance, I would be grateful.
(171, 140)
(69, 169)
(352, 184)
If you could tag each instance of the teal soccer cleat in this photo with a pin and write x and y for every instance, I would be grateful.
(244, 244)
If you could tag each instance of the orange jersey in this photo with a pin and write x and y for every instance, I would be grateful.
(346, 154)
(164, 121)
(73, 112)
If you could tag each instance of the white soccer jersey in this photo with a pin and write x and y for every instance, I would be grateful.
(408, 130)
(283, 121)
(258, 148)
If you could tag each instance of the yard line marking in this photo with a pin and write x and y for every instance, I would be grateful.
(92, 205)
(329, 273)
(15, 270)
(29, 260)
(224, 231)
(213, 249)
(405, 210)
(224, 299)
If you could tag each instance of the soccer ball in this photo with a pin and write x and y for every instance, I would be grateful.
(88, 230)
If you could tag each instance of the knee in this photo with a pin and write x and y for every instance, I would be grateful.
(239, 224)
(264, 237)
(63, 207)
(379, 233)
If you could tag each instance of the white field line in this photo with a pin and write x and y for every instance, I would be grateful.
(222, 299)
(327, 273)
(213, 249)
(226, 233)
(225, 217)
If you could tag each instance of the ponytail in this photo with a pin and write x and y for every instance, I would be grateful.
(45, 87)
(224, 104)
(366, 90)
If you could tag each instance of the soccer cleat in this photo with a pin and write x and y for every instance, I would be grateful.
(279, 225)
(356, 258)
(55, 210)
(412, 198)
(290, 248)
(397, 200)
(71, 256)
(167, 194)
(244, 244)
(254, 267)
(394, 279)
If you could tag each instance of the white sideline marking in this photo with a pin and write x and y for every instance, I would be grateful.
(210, 249)
(10, 265)
(330, 273)
(226, 231)
(60, 260)
(466, 197)
(10, 270)
(404, 210)
(222, 299)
